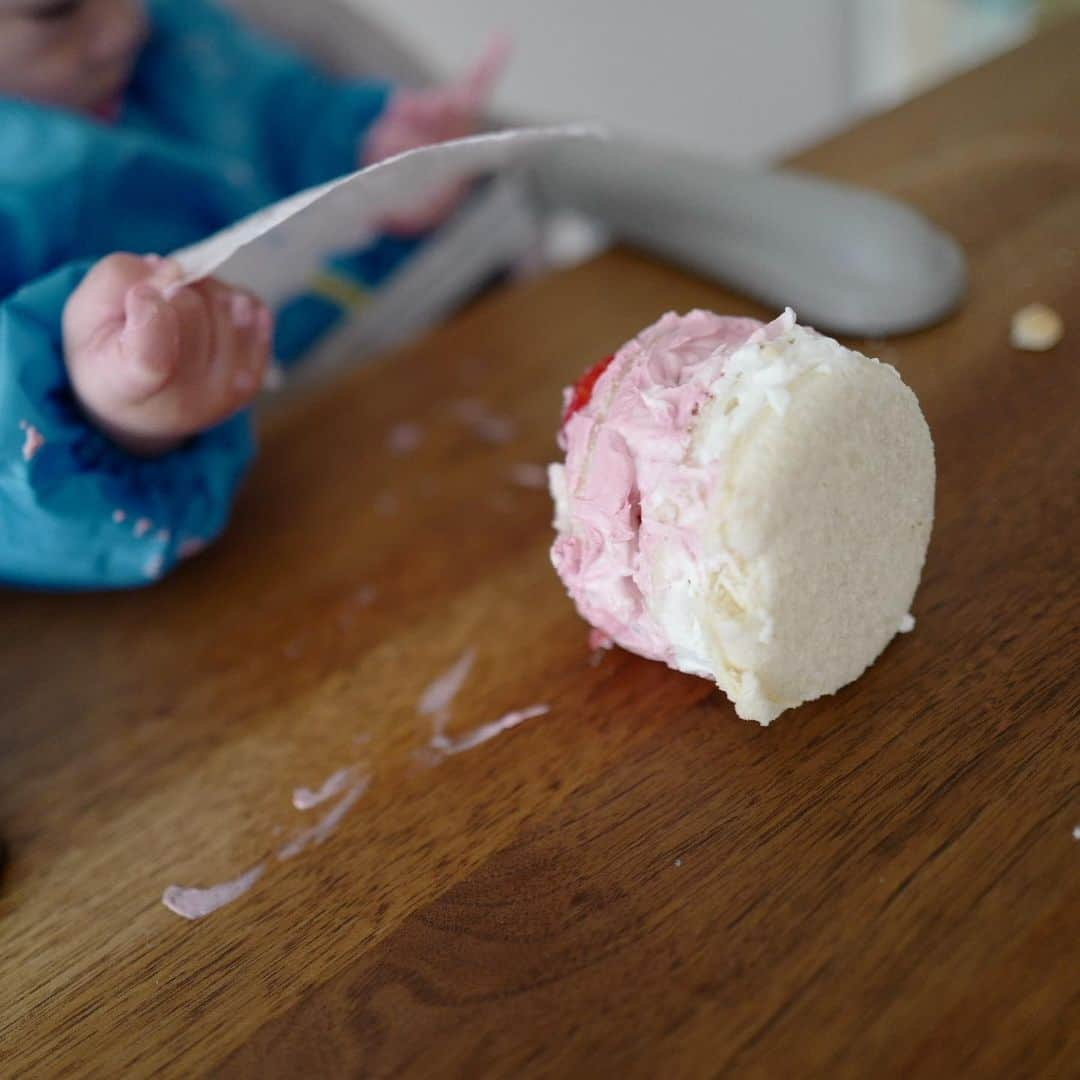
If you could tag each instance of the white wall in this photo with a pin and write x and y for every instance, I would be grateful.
(899, 47)
(746, 78)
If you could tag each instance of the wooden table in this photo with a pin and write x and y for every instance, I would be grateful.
(883, 883)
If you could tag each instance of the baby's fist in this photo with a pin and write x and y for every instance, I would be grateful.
(153, 365)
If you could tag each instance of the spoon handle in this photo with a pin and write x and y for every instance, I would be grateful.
(845, 258)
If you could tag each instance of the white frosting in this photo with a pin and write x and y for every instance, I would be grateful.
(194, 903)
(319, 832)
(304, 798)
(446, 746)
(440, 693)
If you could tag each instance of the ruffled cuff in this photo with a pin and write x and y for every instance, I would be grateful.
(77, 511)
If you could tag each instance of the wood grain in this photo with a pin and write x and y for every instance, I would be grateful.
(883, 883)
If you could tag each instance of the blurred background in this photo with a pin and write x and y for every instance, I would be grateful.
(750, 79)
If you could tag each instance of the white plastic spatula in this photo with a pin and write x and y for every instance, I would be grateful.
(846, 259)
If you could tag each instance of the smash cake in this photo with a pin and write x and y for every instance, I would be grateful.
(746, 502)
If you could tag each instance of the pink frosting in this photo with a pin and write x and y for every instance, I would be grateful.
(628, 446)
(33, 440)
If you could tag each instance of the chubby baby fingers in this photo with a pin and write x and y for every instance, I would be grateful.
(242, 330)
(254, 325)
(149, 344)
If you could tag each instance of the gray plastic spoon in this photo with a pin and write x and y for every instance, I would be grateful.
(846, 259)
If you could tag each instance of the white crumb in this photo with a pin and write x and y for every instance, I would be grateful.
(529, 476)
(1036, 328)
(404, 438)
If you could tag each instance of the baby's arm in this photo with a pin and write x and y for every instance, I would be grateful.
(78, 510)
(206, 77)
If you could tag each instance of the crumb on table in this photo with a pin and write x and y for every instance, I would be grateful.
(1036, 328)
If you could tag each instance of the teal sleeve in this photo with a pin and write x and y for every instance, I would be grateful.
(73, 189)
(44, 171)
(76, 511)
(206, 77)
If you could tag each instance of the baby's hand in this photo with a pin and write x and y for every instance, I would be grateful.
(416, 118)
(153, 367)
